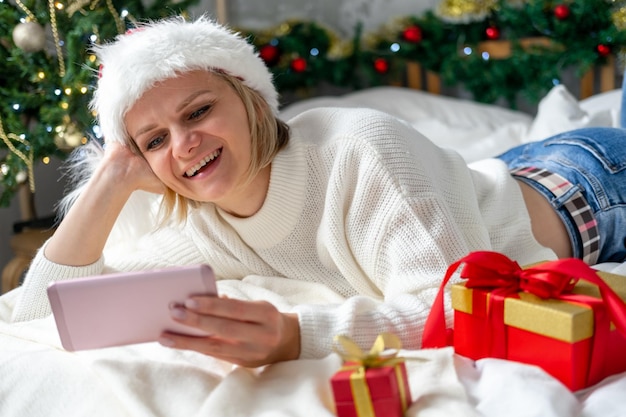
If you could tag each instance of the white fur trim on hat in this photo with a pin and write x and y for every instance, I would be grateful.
(160, 50)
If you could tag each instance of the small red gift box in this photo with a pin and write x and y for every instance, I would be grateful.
(541, 315)
(372, 386)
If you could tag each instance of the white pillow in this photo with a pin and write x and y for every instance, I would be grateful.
(474, 129)
(607, 102)
(560, 111)
(415, 106)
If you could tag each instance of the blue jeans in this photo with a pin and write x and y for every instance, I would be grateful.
(594, 161)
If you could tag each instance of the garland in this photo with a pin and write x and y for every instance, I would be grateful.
(572, 35)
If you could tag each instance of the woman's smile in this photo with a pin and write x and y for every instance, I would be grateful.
(203, 165)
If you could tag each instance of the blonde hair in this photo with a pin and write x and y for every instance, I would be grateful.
(268, 135)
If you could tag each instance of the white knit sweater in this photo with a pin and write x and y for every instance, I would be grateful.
(359, 202)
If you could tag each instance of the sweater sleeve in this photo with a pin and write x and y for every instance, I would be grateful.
(33, 302)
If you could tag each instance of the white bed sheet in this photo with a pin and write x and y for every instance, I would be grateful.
(39, 378)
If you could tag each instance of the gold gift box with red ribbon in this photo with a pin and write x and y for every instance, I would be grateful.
(373, 384)
(562, 316)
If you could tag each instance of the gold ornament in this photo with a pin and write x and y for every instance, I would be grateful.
(619, 18)
(29, 36)
(68, 136)
(465, 11)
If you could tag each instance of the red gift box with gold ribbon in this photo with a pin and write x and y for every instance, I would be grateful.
(562, 316)
(373, 384)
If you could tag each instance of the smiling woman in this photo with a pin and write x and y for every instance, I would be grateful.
(349, 201)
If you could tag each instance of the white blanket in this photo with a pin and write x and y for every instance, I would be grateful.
(39, 378)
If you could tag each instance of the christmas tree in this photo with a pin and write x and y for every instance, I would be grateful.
(48, 76)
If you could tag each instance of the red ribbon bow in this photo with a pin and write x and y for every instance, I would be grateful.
(492, 270)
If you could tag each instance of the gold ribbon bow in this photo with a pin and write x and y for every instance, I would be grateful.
(383, 353)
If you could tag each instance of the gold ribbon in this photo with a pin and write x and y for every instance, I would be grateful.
(383, 353)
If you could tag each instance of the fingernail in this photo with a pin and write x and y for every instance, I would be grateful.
(167, 342)
(192, 304)
(178, 313)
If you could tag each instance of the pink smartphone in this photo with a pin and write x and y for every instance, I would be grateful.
(125, 308)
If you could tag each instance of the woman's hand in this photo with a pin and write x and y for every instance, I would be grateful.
(130, 169)
(247, 333)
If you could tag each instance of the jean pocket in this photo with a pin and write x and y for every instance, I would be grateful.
(606, 145)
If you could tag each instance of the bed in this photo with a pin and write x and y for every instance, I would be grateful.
(39, 378)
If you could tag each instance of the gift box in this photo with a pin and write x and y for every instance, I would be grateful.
(371, 385)
(562, 316)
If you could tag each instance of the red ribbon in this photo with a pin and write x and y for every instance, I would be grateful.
(504, 277)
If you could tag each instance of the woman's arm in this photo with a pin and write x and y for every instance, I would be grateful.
(83, 232)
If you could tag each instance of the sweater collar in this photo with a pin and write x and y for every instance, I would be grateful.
(283, 204)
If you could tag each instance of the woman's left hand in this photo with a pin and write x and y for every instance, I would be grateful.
(246, 333)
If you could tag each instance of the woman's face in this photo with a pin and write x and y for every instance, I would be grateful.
(193, 130)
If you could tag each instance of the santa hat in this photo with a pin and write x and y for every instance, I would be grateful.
(160, 50)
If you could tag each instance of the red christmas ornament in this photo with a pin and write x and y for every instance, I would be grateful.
(381, 65)
(298, 65)
(492, 33)
(269, 54)
(561, 11)
(412, 34)
(603, 50)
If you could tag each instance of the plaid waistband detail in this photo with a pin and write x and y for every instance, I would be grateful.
(576, 205)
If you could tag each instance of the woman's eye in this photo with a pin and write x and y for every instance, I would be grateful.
(198, 113)
(154, 143)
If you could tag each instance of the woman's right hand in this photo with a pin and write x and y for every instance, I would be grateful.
(127, 168)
